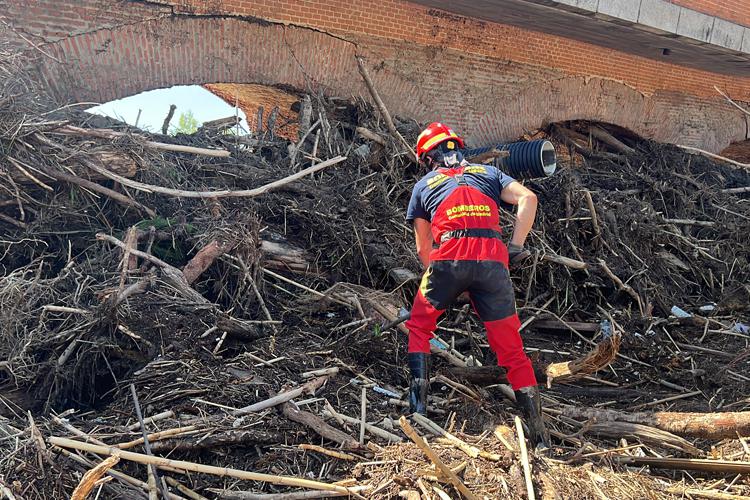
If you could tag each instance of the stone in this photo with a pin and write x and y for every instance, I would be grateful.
(589, 6)
(659, 14)
(695, 25)
(625, 10)
(727, 34)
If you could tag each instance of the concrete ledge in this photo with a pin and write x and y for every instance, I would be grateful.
(620, 10)
(695, 25)
(658, 14)
(656, 29)
(727, 34)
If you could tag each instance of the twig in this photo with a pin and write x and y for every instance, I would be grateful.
(25, 172)
(156, 436)
(307, 388)
(369, 134)
(592, 210)
(666, 400)
(179, 193)
(98, 188)
(713, 156)
(167, 119)
(731, 101)
(383, 110)
(184, 489)
(470, 450)
(154, 418)
(193, 467)
(372, 429)
(111, 134)
(326, 451)
(363, 415)
(88, 481)
(146, 444)
(444, 469)
(623, 286)
(525, 459)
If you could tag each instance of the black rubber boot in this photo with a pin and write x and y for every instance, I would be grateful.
(529, 401)
(419, 382)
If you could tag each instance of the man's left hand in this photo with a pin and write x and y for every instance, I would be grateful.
(517, 254)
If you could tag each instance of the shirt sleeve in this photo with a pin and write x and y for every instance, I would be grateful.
(416, 209)
(504, 179)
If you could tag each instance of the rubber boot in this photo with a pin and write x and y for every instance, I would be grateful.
(419, 382)
(529, 401)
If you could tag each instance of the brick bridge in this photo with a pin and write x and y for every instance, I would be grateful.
(490, 68)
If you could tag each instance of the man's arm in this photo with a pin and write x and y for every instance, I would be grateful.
(423, 236)
(515, 194)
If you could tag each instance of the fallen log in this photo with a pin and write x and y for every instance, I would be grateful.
(610, 140)
(596, 359)
(726, 467)
(111, 134)
(203, 260)
(220, 439)
(320, 427)
(554, 324)
(643, 433)
(119, 163)
(307, 388)
(700, 425)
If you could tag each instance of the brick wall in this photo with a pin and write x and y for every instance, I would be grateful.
(737, 11)
(492, 83)
(400, 20)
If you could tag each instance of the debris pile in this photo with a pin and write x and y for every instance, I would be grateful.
(215, 313)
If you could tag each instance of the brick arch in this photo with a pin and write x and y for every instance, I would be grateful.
(486, 99)
(659, 117)
(738, 151)
(112, 63)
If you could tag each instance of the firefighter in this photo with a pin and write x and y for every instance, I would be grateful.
(456, 206)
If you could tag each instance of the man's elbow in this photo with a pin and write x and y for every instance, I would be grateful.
(530, 198)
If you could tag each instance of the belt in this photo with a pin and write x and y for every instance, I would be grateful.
(470, 233)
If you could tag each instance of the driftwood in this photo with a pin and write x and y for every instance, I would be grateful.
(220, 439)
(119, 163)
(320, 427)
(596, 359)
(203, 260)
(383, 110)
(444, 469)
(111, 134)
(167, 119)
(307, 388)
(643, 433)
(193, 467)
(719, 466)
(88, 481)
(489, 155)
(713, 156)
(701, 425)
(610, 140)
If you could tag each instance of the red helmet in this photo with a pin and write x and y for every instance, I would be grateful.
(436, 133)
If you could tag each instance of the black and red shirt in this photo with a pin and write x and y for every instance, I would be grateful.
(465, 197)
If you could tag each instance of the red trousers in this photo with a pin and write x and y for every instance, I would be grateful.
(491, 292)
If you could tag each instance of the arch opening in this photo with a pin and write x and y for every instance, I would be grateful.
(738, 151)
(258, 109)
(578, 139)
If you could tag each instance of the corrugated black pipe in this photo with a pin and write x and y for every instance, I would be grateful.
(527, 160)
